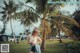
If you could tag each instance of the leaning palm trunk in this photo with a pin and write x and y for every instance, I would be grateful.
(43, 41)
(44, 34)
(59, 36)
(20, 38)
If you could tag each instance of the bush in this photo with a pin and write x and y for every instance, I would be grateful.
(73, 47)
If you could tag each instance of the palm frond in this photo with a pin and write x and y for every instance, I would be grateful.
(46, 27)
(27, 17)
(62, 28)
(4, 8)
(71, 21)
(68, 19)
(66, 30)
(5, 3)
(8, 10)
(2, 12)
(4, 16)
(28, 1)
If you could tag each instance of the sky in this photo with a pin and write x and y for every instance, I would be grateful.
(18, 28)
(69, 8)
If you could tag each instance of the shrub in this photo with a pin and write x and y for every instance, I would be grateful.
(73, 47)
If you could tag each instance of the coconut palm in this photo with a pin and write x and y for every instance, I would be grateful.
(42, 7)
(27, 16)
(20, 36)
(30, 16)
(62, 23)
(7, 12)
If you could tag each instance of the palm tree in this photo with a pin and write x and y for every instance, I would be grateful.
(62, 23)
(28, 16)
(7, 12)
(42, 7)
(20, 36)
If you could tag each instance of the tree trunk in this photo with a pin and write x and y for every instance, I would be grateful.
(60, 39)
(12, 31)
(20, 38)
(59, 36)
(11, 26)
(43, 46)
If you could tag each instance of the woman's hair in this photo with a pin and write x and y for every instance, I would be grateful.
(35, 31)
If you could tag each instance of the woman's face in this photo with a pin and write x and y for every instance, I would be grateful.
(35, 33)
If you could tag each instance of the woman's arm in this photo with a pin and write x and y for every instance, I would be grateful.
(39, 40)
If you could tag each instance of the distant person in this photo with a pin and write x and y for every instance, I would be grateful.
(33, 40)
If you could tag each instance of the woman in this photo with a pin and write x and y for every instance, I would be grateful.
(33, 40)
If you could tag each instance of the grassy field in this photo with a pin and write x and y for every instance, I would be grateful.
(52, 46)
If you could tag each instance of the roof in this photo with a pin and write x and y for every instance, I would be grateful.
(8, 35)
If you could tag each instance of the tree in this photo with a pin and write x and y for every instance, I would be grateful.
(28, 16)
(42, 7)
(45, 30)
(7, 13)
(62, 23)
(76, 30)
(20, 37)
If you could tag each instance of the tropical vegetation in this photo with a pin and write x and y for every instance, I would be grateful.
(51, 18)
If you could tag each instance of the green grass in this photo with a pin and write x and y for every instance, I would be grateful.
(52, 46)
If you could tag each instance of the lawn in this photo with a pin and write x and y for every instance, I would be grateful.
(52, 46)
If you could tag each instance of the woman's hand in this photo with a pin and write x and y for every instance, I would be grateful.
(33, 43)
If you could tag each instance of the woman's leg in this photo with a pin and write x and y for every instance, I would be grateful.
(32, 49)
(31, 52)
